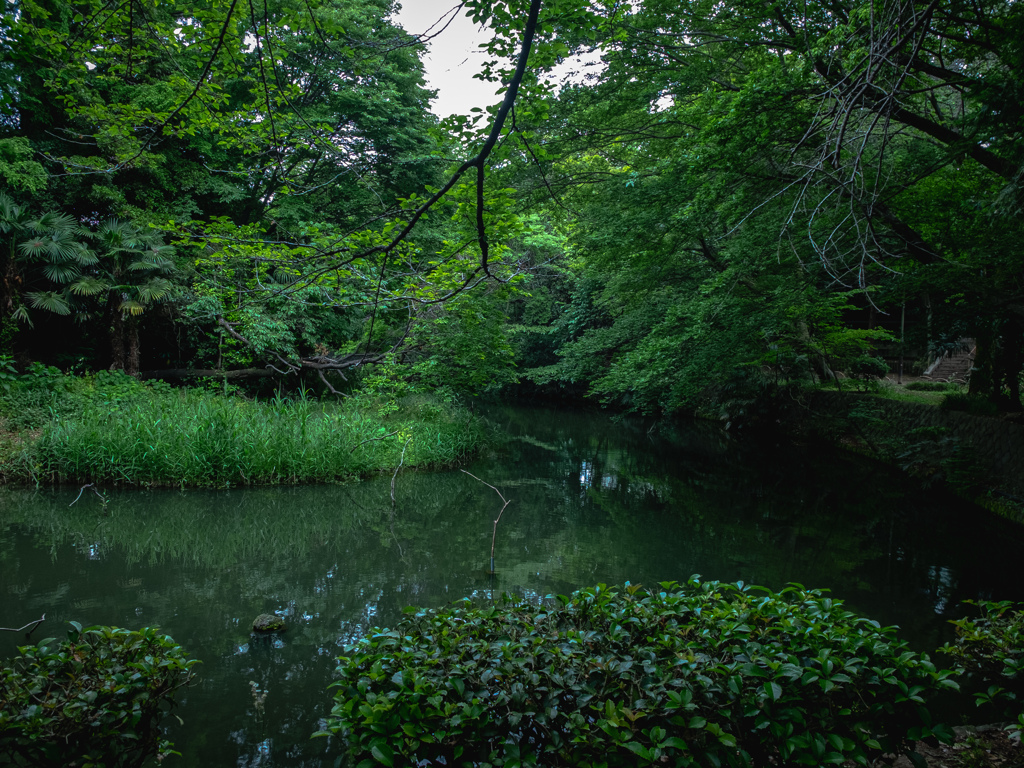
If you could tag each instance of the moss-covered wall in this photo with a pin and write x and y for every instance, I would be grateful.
(995, 446)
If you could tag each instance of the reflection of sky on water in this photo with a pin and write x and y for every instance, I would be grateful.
(591, 501)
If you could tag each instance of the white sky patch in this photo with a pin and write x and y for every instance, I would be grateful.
(454, 57)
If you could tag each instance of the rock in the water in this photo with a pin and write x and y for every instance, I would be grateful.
(268, 622)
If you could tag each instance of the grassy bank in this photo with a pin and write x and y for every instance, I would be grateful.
(110, 428)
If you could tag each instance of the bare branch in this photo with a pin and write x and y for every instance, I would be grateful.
(374, 439)
(32, 624)
(505, 503)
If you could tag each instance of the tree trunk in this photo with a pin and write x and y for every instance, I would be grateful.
(117, 356)
(8, 326)
(132, 359)
(1011, 363)
(8, 281)
(928, 322)
(819, 365)
(981, 372)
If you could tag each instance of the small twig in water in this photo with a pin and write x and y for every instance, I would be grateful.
(258, 697)
(395, 476)
(82, 490)
(505, 503)
(393, 502)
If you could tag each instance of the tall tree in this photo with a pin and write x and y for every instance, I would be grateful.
(132, 270)
(741, 166)
(220, 109)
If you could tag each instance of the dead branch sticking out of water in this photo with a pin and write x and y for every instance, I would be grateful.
(505, 503)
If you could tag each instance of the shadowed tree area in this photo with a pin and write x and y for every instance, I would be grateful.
(733, 198)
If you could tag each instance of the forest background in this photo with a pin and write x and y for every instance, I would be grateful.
(741, 197)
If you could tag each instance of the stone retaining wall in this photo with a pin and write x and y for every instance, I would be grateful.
(996, 445)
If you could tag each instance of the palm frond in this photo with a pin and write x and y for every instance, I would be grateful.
(61, 273)
(50, 301)
(113, 233)
(21, 315)
(10, 214)
(85, 257)
(88, 286)
(154, 290)
(33, 248)
(61, 247)
(148, 262)
(51, 222)
(157, 250)
(132, 307)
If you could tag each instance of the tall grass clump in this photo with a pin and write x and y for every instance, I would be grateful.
(113, 429)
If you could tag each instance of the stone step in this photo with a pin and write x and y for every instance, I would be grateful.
(954, 368)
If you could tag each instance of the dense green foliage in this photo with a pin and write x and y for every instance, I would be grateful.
(697, 674)
(286, 151)
(737, 200)
(752, 194)
(95, 699)
(990, 649)
(113, 429)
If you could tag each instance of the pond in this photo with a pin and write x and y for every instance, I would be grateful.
(592, 500)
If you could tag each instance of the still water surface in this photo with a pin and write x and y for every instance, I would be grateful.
(592, 501)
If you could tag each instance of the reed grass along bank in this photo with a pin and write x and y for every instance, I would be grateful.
(110, 428)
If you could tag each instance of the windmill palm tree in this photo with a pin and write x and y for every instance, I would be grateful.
(133, 271)
(37, 251)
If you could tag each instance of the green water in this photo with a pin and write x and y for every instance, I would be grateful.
(591, 501)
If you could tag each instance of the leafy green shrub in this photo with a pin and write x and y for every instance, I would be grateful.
(931, 386)
(700, 674)
(990, 649)
(95, 699)
(868, 366)
(32, 398)
(8, 373)
(934, 454)
(977, 405)
(43, 393)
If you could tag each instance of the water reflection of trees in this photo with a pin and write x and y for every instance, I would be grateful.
(593, 500)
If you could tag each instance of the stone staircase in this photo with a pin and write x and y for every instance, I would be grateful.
(953, 367)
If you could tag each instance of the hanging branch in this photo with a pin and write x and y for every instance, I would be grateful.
(505, 503)
(478, 161)
(195, 92)
(82, 490)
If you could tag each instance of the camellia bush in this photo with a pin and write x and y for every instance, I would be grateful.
(990, 650)
(95, 699)
(695, 674)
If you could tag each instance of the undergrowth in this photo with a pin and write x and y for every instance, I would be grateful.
(110, 428)
(690, 675)
(925, 393)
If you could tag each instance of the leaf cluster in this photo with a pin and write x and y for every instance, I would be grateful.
(990, 649)
(98, 695)
(694, 674)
